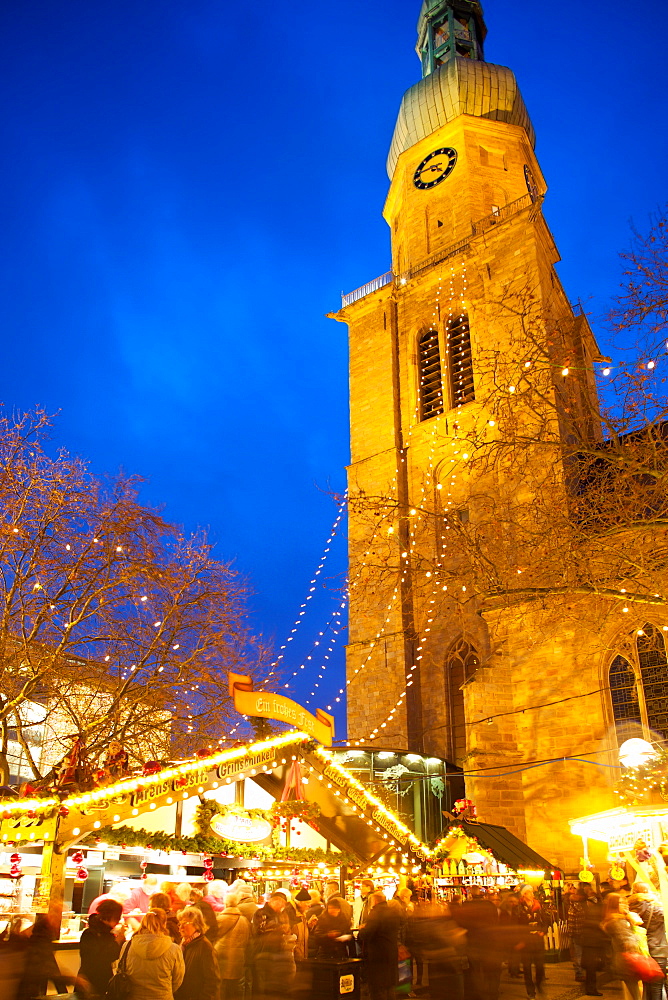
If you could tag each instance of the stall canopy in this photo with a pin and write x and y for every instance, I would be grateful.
(504, 845)
(351, 818)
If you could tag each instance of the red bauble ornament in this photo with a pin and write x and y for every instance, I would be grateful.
(77, 858)
(82, 873)
(15, 859)
(208, 875)
(63, 811)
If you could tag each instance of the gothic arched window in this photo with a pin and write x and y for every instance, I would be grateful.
(640, 699)
(460, 361)
(624, 696)
(461, 663)
(429, 375)
(654, 676)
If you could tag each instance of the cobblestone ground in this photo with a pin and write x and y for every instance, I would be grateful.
(560, 984)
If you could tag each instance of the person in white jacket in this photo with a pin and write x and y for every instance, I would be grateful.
(153, 962)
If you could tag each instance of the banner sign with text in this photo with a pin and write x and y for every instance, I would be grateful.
(264, 705)
(244, 828)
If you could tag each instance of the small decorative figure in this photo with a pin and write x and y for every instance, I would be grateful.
(114, 764)
(72, 774)
(464, 809)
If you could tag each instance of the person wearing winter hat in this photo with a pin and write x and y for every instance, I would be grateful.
(99, 948)
(302, 903)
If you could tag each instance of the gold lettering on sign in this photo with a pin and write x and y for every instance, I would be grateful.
(379, 817)
(358, 797)
(336, 776)
(265, 705)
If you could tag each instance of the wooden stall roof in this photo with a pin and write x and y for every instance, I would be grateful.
(352, 818)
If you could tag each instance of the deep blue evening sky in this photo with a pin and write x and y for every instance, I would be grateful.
(186, 188)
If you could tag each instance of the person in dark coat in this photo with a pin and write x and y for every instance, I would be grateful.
(510, 933)
(644, 901)
(331, 926)
(268, 945)
(333, 891)
(202, 977)
(440, 942)
(532, 921)
(41, 966)
(192, 897)
(99, 948)
(380, 946)
(575, 920)
(594, 942)
(481, 919)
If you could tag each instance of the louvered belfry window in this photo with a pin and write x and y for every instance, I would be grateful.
(460, 362)
(429, 369)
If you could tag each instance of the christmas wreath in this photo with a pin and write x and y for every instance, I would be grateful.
(308, 812)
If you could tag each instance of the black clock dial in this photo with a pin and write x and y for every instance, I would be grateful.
(532, 187)
(435, 168)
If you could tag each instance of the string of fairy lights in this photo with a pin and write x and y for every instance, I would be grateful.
(431, 576)
(457, 317)
(413, 524)
(69, 612)
(312, 586)
(452, 289)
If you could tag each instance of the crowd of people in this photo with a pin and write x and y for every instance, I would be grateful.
(175, 943)
(610, 932)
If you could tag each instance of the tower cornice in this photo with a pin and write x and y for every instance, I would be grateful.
(461, 86)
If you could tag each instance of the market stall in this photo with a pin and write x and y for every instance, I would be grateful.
(334, 826)
(636, 832)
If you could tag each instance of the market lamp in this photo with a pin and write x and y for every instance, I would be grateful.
(636, 753)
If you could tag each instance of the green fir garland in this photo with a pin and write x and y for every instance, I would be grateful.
(126, 836)
(647, 784)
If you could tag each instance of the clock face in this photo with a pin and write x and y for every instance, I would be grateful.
(532, 187)
(435, 168)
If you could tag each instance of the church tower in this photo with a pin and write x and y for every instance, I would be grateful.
(470, 372)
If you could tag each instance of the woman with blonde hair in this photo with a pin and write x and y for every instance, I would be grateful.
(160, 902)
(152, 961)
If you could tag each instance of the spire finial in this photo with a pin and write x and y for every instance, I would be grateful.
(447, 29)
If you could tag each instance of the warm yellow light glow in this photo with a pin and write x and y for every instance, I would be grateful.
(636, 752)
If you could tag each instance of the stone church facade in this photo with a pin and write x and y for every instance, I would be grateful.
(471, 377)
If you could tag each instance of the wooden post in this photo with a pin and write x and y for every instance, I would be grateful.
(52, 884)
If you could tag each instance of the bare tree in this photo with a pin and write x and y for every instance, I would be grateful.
(113, 624)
